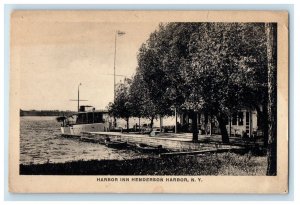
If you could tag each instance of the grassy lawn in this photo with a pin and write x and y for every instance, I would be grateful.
(207, 164)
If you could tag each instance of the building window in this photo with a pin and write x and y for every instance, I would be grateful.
(241, 118)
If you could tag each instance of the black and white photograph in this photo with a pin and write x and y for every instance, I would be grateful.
(143, 97)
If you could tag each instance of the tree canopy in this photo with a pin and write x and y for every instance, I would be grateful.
(211, 68)
(122, 106)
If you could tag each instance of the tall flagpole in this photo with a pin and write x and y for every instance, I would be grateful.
(117, 33)
(115, 65)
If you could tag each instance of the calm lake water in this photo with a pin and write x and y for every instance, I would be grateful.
(40, 142)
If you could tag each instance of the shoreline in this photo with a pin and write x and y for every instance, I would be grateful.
(206, 164)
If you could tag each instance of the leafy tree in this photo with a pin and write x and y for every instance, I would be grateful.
(222, 69)
(141, 102)
(159, 65)
(154, 80)
(210, 68)
(122, 107)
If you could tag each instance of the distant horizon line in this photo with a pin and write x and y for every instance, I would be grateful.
(45, 110)
(60, 110)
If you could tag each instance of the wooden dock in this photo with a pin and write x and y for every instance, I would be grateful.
(179, 145)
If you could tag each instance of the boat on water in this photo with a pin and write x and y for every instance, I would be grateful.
(88, 119)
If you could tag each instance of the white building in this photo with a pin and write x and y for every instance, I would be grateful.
(243, 122)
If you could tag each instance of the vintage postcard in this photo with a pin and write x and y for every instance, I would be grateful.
(148, 102)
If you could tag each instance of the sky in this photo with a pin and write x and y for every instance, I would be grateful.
(55, 54)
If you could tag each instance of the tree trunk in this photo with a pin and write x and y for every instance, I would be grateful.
(127, 120)
(160, 123)
(151, 122)
(139, 124)
(205, 123)
(115, 122)
(263, 121)
(230, 125)
(265, 125)
(271, 32)
(194, 127)
(175, 121)
(222, 126)
(210, 126)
